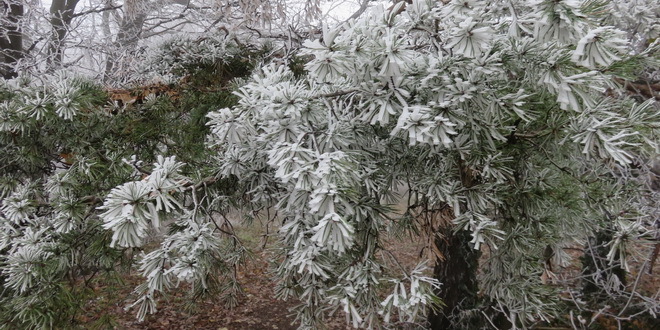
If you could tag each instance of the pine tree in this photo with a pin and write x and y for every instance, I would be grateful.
(497, 131)
(493, 116)
(67, 142)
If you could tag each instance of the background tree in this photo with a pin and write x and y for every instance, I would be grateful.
(11, 38)
(61, 12)
(67, 35)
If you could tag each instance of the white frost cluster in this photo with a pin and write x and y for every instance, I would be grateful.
(599, 47)
(462, 103)
(132, 208)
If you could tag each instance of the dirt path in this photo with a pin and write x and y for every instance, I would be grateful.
(257, 309)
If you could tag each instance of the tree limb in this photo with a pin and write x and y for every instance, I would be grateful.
(92, 11)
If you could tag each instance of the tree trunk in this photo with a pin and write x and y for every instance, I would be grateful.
(61, 14)
(457, 269)
(127, 39)
(458, 274)
(128, 36)
(11, 46)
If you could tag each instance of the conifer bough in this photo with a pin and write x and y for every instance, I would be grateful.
(497, 127)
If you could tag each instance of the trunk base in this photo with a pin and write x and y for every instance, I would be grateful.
(458, 275)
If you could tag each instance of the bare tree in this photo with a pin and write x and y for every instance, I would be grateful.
(11, 38)
(62, 12)
(101, 38)
(130, 30)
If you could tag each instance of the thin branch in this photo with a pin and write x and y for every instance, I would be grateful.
(489, 321)
(339, 93)
(397, 262)
(137, 168)
(92, 11)
(634, 288)
(208, 180)
(363, 7)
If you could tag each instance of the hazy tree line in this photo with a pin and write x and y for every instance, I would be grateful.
(100, 37)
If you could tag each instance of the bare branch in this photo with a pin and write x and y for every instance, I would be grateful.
(92, 11)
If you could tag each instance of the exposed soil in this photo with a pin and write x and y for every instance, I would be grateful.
(259, 310)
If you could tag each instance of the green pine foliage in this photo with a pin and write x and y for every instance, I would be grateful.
(64, 144)
(500, 127)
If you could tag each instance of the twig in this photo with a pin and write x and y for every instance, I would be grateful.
(91, 11)
(137, 167)
(489, 321)
(639, 276)
(363, 7)
(204, 182)
(267, 234)
(339, 93)
(397, 262)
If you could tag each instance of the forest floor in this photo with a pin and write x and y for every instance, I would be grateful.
(257, 308)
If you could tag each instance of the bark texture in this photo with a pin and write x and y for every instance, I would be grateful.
(457, 269)
(458, 274)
